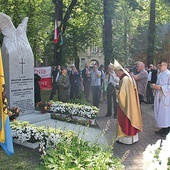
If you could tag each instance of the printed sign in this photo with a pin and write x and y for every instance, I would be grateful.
(45, 74)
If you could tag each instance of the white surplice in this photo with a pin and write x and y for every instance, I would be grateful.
(162, 100)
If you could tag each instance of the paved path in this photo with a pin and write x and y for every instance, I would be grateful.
(134, 159)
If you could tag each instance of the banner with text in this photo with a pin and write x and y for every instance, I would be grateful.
(45, 74)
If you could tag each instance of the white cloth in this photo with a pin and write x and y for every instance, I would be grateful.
(129, 139)
(162, 100)
(56, 79)
(149, 76)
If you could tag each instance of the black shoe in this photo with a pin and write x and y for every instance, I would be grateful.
(159, 132)
(163, 134)
(115, 116)
(148, 103)
(107, 115)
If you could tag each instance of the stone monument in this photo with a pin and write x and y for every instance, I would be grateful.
(18, 64)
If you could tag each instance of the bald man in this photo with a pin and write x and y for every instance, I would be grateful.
(141, 80)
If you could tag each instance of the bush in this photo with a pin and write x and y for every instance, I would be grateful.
(80, 155)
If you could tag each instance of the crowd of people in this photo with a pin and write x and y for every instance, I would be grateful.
(123, 89)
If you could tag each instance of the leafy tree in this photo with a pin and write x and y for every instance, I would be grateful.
(39, 21)
(82, 25)
(84, 29)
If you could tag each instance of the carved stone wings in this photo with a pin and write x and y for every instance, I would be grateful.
(6, 25)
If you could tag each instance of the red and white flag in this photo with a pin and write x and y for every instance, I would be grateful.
(56, 33)
(45, 74)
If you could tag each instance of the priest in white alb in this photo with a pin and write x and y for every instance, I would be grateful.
(162, 99)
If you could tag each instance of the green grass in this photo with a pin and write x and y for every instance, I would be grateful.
(22, 159)
(45, 95)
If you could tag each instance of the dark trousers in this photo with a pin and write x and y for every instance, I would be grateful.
(74, 92)
(86, 89)
(96, 95)
(37, 93)
(111, 99)
(149, 93)
(53, 91)
(140, 98)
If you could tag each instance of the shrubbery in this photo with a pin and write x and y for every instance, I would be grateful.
(77, 154)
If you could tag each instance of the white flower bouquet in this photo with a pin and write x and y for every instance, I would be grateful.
(46, 136)
(74, 109)
(157, 156)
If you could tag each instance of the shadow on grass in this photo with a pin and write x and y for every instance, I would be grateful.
(22, 159)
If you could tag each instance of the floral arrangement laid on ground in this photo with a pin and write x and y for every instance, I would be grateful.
(157, 156)
(76, 113)
(13, 113)
(44, 107)
(46, 136)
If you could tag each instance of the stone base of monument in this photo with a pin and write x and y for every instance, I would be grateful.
(26, 144)
(129, 139)
(34, 117)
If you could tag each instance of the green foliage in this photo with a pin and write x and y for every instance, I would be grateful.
(134, 5)
(85, 26)
(81, 100)
(39, 23)
(81, 30)
(124, 28)
(80, 155)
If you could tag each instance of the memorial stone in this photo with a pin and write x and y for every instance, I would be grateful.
(18, 65)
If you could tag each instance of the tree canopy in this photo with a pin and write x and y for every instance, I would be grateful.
(85, 25)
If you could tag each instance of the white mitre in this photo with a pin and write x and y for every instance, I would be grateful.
(116, 65)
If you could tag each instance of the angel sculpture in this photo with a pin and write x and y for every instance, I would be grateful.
(18, 64)
(15, 39)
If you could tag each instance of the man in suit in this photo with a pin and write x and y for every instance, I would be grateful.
(56, 73)
(149, 92)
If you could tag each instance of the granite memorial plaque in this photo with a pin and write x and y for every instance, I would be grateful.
(18, 65)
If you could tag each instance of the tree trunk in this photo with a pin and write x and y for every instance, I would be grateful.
(67, 15)
(107, 30)
(151, 33)
(59, 17)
